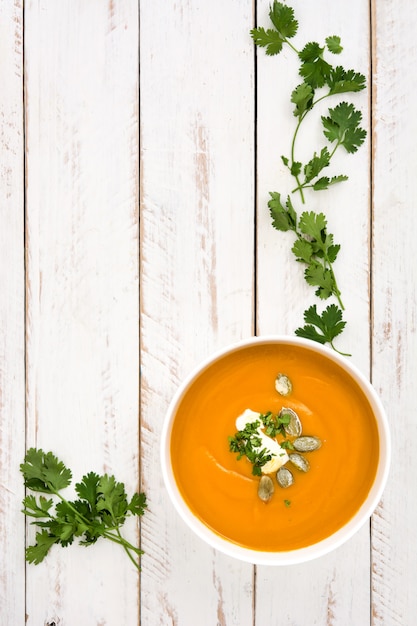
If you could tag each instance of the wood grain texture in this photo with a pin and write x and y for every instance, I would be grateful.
(12, 315)
(197, 259)
(331, 594)
(132, 280)
(394, 280)
(82, 281)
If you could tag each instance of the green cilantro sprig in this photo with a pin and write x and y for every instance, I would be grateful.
(100, 510)
(314, 246)
(322, 328)
(320, 80)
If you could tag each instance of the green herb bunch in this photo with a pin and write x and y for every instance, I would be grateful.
(100, 510)
(314, 246)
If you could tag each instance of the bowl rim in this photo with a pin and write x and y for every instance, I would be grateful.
(306, 553)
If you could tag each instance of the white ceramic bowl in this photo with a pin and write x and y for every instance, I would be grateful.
(308, 552)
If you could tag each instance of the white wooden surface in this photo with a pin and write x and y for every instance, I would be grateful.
(138, 145)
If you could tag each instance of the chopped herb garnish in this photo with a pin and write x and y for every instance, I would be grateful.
(287, 445)
(247, 443)
(274, 423)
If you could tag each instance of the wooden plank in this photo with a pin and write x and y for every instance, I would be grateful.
(12, 315)
(335, 588)
(197, 235)
(82, 281)
(394, 288)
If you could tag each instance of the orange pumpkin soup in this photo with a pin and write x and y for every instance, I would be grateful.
(221, 490)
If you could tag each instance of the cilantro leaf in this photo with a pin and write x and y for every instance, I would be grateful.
(87, 489)
(316, 164)
(37, 508)
(269, 39)
(302, 96)
(353, 139)
(282, 17)
(43, 472)
(325, 182)
(322, 328)
(313, 224)
(303, 250)
(295, 168)
(62, 530)
(112, 498)
(342, 126)
(333, 44)
(36, 553)
(283, 217)
(332, 321)
(314, 69)
(343, 81)
(321, 277)
(137, 504)
(322, 183)
(311, 52)
(309, 332)
(332, 251)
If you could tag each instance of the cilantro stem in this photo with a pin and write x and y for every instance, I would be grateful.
(336, 290)
(323, 97)
(120, 540)
(297, 52)
(107, 534)
(126, 545)
(69, 505)
(338, 351)
(299, 188)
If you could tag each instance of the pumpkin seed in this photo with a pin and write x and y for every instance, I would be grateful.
(299, 462)
(284, 477)
(265, 488)
(306, 444)
(283, 385)
(293, 428)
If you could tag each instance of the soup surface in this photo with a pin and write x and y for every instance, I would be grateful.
(221, 490)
